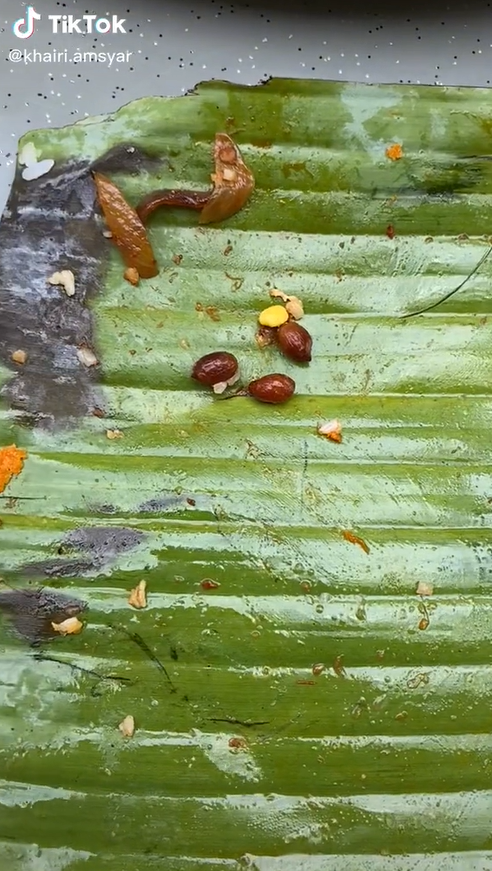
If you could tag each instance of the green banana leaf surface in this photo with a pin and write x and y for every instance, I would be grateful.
(301, 702)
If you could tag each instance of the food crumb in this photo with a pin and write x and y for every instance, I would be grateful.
(19, 357)
(138, 596)
(114, 434)
(293, 305)
(338, 667)
(273, 316)
(354, 539)
(394, 152)
(421, 679)
(331, 430)
(127, 727)
(212, 312)
(221, 386)
(295, 308)
(70, 626)
(424, 589)
(66, 279)
(209, 584)
(265, 336)
(279, 294)
(132, 276)
(86, 356)
(237, 744)
(11, 464)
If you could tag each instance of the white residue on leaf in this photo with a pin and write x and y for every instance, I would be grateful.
(361, 113)
(296, 862)
(28, 155)
(36, 170)
(36, 858)
(24, 795)
(217, 750)
(315, 834)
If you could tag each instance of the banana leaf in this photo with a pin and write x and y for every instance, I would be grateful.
(300, 703)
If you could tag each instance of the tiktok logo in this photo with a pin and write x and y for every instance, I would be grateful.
(24, 27)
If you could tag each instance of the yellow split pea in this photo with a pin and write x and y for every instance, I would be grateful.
(273, 316)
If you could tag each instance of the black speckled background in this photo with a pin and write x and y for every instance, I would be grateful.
(175, 44)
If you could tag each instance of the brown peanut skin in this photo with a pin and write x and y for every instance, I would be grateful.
(272, 388)
(215, 367)
(295, 342)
